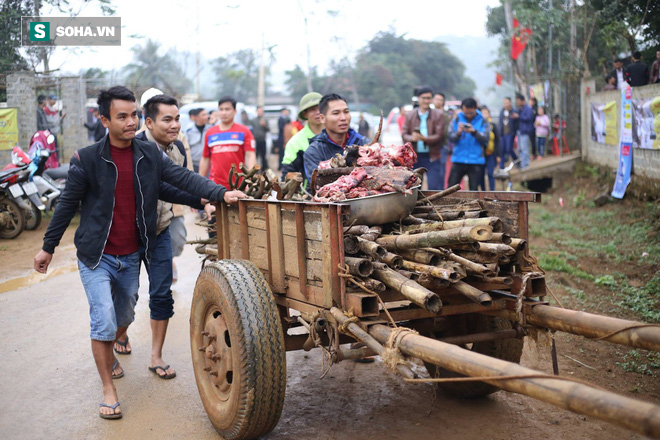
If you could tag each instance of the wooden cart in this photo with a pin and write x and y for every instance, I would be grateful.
(278, 265)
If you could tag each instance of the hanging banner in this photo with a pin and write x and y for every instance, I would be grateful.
(598, 131)
(611, 131)
(540, 91)
(646, 123)
(8, 128)
(625, 147)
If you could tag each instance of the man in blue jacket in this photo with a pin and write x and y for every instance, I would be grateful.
(525, 129)
(469, 132)
(335, 137)
(116, 183)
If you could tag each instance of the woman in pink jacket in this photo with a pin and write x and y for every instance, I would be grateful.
(542, 124)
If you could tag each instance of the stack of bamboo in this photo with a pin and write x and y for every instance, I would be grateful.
(437, 249)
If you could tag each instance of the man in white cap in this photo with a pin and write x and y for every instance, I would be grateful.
(293, 152)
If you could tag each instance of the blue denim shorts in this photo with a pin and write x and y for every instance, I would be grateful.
(112, 292)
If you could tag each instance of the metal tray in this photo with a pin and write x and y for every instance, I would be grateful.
(382, 208)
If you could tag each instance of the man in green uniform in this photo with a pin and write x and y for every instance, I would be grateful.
(293, 152)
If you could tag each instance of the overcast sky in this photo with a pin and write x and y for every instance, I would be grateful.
(217, 28)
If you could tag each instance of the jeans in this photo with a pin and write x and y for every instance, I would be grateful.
(506, 149)
(491, 161)
(474, 172)
(161, 303)
(178, 234)
(424, 161)
(112, 292)
(260, 147)
(540, 145)
(436, 174)
(523, 149)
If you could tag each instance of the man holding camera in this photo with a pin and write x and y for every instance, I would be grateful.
(424, 127)
(470, 132)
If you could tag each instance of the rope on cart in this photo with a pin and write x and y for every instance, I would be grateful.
(621, 330)
(345, 273)
(392, 355)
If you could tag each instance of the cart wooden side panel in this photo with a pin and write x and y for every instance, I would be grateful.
(297, 246)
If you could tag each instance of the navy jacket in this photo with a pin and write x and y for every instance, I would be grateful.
(526, 120)
(322, 148)
(91, 183)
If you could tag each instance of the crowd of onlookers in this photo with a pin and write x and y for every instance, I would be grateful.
(635, 74)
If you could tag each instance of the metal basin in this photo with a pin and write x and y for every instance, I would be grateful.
(382, 208)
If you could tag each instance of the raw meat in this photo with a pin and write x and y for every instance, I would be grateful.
(403, 155)
(336, 191)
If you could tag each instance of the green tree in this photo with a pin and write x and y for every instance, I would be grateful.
(10, 35)
(149, 69)
(391, 66)
(238, 74)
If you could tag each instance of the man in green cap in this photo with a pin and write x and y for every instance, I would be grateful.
(293, 152)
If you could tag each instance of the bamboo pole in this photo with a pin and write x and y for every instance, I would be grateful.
(421, 256)
(431, 283)
(374, 285)
(518, 244)
(410, 289)
(494, 222)
(359, 266)
(472, 293)
(479, 257)
(500, 237)
(356, 230)
(445, 215)
(351, 245)
(370, 248)
(439, 194)
(618, 331)
(393, 260)
(638, 416)
(435, 238)
(368, 340)
(438, 272)
(471, 265)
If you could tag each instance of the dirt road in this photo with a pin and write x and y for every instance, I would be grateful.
(50, 388)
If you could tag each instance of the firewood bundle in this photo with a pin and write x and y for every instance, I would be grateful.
(452, 249)
(258, 184)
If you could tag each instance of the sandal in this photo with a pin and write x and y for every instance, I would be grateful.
(114, 366)
(123, 344)
(162, 376)
(114, 415)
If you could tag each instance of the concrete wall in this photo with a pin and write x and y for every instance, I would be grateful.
(74, 134)
(646, 163)
(21, 94)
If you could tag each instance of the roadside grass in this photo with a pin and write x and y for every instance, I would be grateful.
(614, 249)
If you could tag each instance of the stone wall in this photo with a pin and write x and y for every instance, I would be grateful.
(646, 163)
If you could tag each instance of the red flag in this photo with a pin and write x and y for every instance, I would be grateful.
(498, 79)
(519, 39)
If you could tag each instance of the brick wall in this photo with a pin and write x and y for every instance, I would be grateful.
(646, 163)
(74, 134)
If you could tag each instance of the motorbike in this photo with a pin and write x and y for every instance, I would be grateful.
(21, 189)
(12, 214)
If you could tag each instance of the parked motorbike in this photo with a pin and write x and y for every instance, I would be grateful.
(12, 214)
(22, 190)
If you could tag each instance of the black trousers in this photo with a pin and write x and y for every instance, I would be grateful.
(260, 148)
(475, 174)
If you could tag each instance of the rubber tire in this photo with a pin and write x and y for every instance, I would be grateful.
(9, 205)
(255, 399)
(32, 219)
(505, 349)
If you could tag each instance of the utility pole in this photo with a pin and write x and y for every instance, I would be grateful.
(261, 84)
(309, 62)
(197, 58)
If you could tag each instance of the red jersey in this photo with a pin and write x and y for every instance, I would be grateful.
(226, 147)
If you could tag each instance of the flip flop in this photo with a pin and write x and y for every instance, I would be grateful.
(117, 376)
(162, 376)
(123, 344)
(112, 416)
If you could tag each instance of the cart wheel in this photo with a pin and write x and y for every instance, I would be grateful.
(505, 349)
(238, 350)
(33, 217)
(15, 218)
